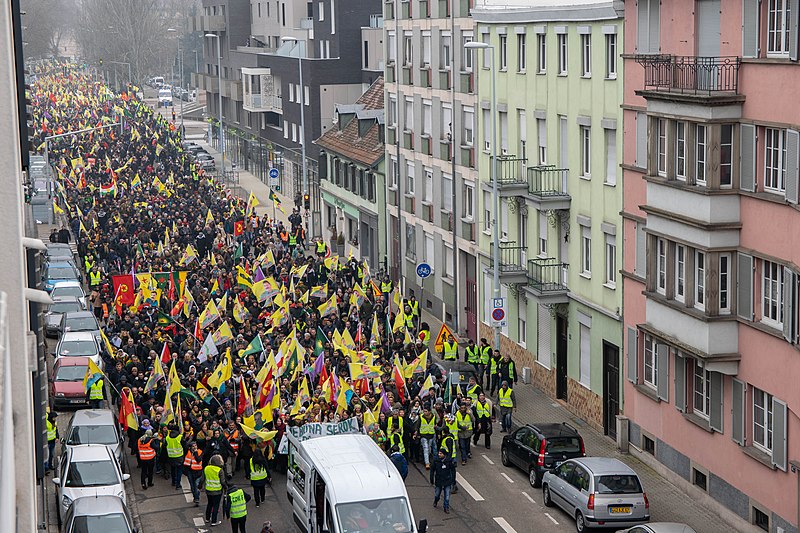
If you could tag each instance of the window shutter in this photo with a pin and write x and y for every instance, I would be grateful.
(662, 352)
(744, 286)
(794, 5)
(633, 362)
(641, 250)
(792, 170)
(789, 307)
(641, 140)
(716, 400)
(641, 25)
(737, 411)
(654, 26)
(750, 28)
(747, 157)
(680, 382)
(779, 434)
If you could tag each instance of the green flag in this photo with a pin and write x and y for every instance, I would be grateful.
(319, 343)
(255, 346)
(163, 319)
(238, 253)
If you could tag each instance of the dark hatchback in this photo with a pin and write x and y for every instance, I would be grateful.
(538, 448)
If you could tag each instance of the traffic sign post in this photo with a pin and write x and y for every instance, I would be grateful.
(498, 314)
(424, 270)
(273, 183)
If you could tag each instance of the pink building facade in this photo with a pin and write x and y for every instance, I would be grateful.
(712, 248)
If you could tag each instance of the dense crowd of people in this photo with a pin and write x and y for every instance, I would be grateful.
(223, 327)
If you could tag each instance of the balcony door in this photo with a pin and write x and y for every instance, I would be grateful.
(708, 44)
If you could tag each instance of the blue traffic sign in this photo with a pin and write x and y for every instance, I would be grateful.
(424, 270)
(273, 173)
(498, 314)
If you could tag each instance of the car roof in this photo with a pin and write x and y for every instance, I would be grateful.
(669, 527)
(89, 452)
(68, 283)
(604, 466)
(52, 245)
(77, 336)
(98, 505)
(78, 314)
(95, 417)
(81, 360)
(455, 366)
(67, 298)
(60, 263)
(553, 429)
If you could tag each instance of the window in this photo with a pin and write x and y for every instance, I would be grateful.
(503, 52)
(522, 133)
(778, 28)
(502, 121)
(486, 116)
(772, 293)
(680, 272)
(392, 110)
(680, 150)
(611, 56)
(523, 231)
(650, 362)
(410, 178)
(285, 129)
(541, 127)
(725, 283)
(430, 254)
(611, 157)
(586, 55)
(586, 354)
(291, 92)
(427, 111)
(762, 420)
(446, 55)
(394, 171)
(661, 266)
(586, 251)
(407, 48)
(522, 57)
(726, 155)
(294, 132)
(447, 120)
(411, 241)
(522, 320)
(542, 235)
(447, 193)
(448, 267)
(487, 52)
(469, 125)
(428, 198)
(487, 211)
(701, 401)
(562, 54)
(700, 154)
(760, 519)
(306, 95)
(468, 200)
(391, 44)
(648, 26)
(541, 45)
(426, 49)
(467, 60)
(700, 279)
(408, 117)
(775, 160)
(662, 147)
(586, 152)
(611, 260)
(321, 10)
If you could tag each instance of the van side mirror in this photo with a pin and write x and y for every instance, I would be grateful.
(56, 481)
(423, 526)
(126, 477)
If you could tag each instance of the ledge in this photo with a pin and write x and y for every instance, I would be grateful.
(718, 98)
(683, 186)
(698, 421)
(669, 215)
(648, 391)
(758, 455)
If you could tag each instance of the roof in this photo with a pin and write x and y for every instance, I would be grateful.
(90, 452)
(604, 465)
(80, 360)
(98, 505)
(77, 336)
(367, 149)
(524, 11)
(95, 417)
(354, 468)
(555, 429)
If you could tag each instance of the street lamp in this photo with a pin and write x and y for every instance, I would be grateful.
(475, 45)
(180, 74)
(219, 77)
(302, 99)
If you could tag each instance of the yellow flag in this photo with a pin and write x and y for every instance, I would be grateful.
(209, 314)
(328, 307)
(57, 210)
(209, 218)
(223, 372)
(222, 334)
(174, 380)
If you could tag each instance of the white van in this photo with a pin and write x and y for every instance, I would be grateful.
(344, 484)
(164, 97)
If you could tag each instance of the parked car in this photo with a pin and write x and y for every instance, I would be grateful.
(205, 161)
(56, 272)
(79, 344)
(660, 527)
(597, 492)
(88, 470)
(69, 288)
(80, 321)
(457, 373)
(95, 426)
(98, 514)
(52, 318)
(59, 250)
(538, 448)
(66, 382)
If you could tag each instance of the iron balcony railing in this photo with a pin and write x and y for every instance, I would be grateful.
(547, 181)
(510, 257)
(547, 275)
(690, 74)
(510, 170)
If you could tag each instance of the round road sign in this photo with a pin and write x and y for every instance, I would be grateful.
(424, 270)
(273, 173)
(498, 314)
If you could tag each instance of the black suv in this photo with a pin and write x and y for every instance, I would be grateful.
(538, 448)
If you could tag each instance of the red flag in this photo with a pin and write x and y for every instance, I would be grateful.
(323, 376)
(127, 411)
(238, 227)
(124, 291)
(198, 332)
(165, 355)
(400, 382)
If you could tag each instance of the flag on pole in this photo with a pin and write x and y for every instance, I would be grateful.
(165, 355)
(400, 382)
(255, 346)
(223, 333)
(93, 375)
(223, 372)
(209, 315)
(155, 376)
(427, 386)
(127, 410)
(208, 350)
(327, 308)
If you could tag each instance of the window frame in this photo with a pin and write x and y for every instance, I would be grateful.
(586, 251)
(468, 201)
(586, 151)
(661, 147)
(586, 55)
(447, 192)
(661, 266)
(649, 362)
(778, 38)
(700, 151)
(772, 295)
(468, 112)
(763, 418)
(503, 53)
(700, 279)
(410, 179)
(611, 56)
(522, 56)
(428, 189)
(612, 163)
(541, 48)
(446, 51)
(680, 150)
(680, 273)
(775, 176)
(724, 277)
(563, 51)
(701, 390)
(427, 118)
(408, 49)
(611, 260)
(726, 162)
(467, 62)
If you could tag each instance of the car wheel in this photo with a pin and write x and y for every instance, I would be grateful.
(504, 457)
(534, 479)
(548, 502)
(580, 522)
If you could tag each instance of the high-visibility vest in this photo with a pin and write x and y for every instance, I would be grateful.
(450, 351)
(257, 473)
(386, 286)
(94, 279)
(320, 247)
(213, 483)
(449, 444)
(96, 390)
(427, 427)
(414, 308)
(238, 504)
(146, 451)
(493, 366)
(392, 420)
(425, 336)
(409, 321)
(472, 392)
(292, 240)
(51, 431)
(174, 448)
(396, 439)
(473, 355)
(464, 419)
(511, 369)
(486, 353)
(452, 427)
(483, 410)
(505, 398)
(190, 461)
(233, 437)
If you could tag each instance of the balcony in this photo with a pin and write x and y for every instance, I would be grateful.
(256, 103)
(260, 90)
(512, 264)
(547, 186)
(511, 179)
(547, 279)
(376, 21)
(208, 23)
(425, 76)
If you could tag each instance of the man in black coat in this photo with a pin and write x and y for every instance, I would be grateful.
(443, 477)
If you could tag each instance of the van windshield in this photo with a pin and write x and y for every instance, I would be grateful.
(375, 516)
(165, 93)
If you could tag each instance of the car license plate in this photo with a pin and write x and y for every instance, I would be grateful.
(76, 401)
(620, 510)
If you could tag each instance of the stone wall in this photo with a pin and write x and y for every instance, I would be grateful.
(585, 404)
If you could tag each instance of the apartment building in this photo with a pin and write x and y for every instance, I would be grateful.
(430, 155)
(354, 178)
(557, 121)
(711, 260)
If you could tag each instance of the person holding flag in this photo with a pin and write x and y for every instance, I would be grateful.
(93, 384)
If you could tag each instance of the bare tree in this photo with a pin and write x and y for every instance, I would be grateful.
(46, 25)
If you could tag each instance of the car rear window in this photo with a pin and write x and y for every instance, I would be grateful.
(88, 323)
(68, 291)
(110, 523)
(621, 484)
(563, 445)
(64, 307)
(71, 373)
(92, 435)
(61, 273)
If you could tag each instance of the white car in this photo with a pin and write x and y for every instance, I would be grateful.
(69, 288)
(79, 344)
(89, 470)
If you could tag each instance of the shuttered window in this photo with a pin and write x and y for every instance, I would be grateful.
(747, 159)
(648, 26)
(737, 411)
(789, 305)
(762, 420)
(662, 365)
(641, 140)
(744, 286)
(779, 436)
(750, 28)
(632, 360)
(680, 382)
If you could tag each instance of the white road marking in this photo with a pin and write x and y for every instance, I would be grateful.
(487, 458)
(528, 496)
(504, 524)
(198, 521)
(469, 488)
(187, 493)
(553, 520)
(506, 476)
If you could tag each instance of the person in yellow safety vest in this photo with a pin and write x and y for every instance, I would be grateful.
(193, 465)
(473, 355)
(175, 453)
(465, 424)
(396, 438)
(507, 405)
(396, 419)
(95, 278)
(292, 241)
(148, 448)
(386, 287)
(235, 506)
(88, 263)
(425, 337)
(214, 482)
(449, 444)
(473, 389)
(259, 476)
(483, 367)
(494, 370)
(449, 348)
(482, 409)
(427, 433)
(96, 394)
(52, 438)
(322, 249)
(414, 305)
